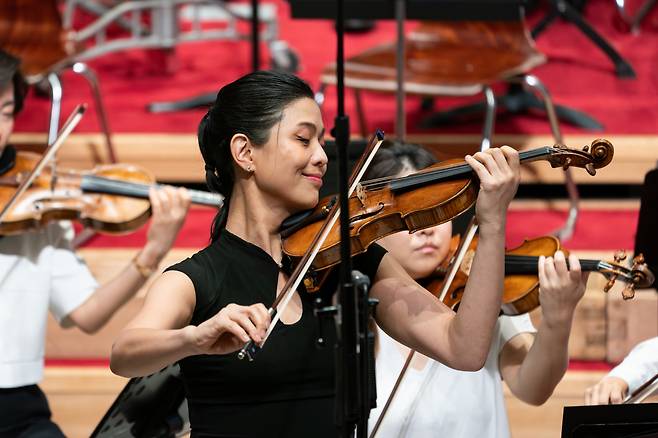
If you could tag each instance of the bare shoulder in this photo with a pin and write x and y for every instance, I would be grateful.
(169, 303)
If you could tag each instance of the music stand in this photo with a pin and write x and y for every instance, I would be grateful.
(148, 407)
(608, 421)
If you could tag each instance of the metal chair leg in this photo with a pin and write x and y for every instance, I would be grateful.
(634, 21)
(489, 118)
(535, 84)
(84, 70)
(55, 106)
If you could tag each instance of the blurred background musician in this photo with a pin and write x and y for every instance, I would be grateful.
(638, 367)
(39, 271)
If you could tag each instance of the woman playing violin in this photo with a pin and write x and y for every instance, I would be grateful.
(39, 271)
(435, 400)
(262, 142)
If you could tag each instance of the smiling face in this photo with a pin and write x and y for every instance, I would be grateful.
(289, 167)
(419, 253)
(6, 114)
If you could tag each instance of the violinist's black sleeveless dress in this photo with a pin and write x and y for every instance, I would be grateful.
(288, 390)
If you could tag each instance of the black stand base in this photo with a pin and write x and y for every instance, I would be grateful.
(517, 100)
(566, 10)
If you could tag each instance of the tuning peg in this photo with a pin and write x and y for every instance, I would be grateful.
(610, 283)
(620, 256)
(589, 167)
(586, 148)
(628, 292)
(567, 163)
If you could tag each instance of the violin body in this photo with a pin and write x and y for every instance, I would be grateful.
(377, 210)
(520, 291)
(61, 198)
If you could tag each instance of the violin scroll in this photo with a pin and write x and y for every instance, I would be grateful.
(638, 275)
(595, 156)
(642, 277)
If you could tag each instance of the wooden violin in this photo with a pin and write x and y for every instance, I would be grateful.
(109, 198)
(521, 282)
(430, 197)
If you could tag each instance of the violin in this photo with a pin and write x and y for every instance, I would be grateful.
(521, 282)
(427, 198)
(109, 198)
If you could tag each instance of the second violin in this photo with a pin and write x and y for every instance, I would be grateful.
(110, 198)
(521, 285)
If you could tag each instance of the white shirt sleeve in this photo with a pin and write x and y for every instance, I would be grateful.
(71, 282)
(511, 326)
(640, 365)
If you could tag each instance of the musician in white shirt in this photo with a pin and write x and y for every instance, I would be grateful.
(40, 272)
(437, 401)
(639, 366)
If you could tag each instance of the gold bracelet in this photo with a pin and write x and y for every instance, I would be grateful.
(145, 271)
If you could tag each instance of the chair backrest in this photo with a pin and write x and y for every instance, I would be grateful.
(471, 51)
(32, 31)
(447, 57)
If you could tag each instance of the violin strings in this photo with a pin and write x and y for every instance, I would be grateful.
(439, 174)
(519, 261)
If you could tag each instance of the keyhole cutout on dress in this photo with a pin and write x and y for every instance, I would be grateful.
(293, 311)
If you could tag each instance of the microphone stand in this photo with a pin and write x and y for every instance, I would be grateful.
(255, 37)
(354, 347)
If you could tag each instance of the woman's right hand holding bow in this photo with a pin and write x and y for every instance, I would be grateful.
(230, 329)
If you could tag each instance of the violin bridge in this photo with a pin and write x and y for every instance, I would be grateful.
(361, 194)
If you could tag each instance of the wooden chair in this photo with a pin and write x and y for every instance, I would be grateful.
(455, 58)
(32, 31)
(448, 58)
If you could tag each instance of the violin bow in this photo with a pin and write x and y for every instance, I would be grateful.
(644, 391)
(281, 302)
(48, 155)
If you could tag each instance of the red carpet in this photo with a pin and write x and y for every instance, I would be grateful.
(578, 75)
(595, 229)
